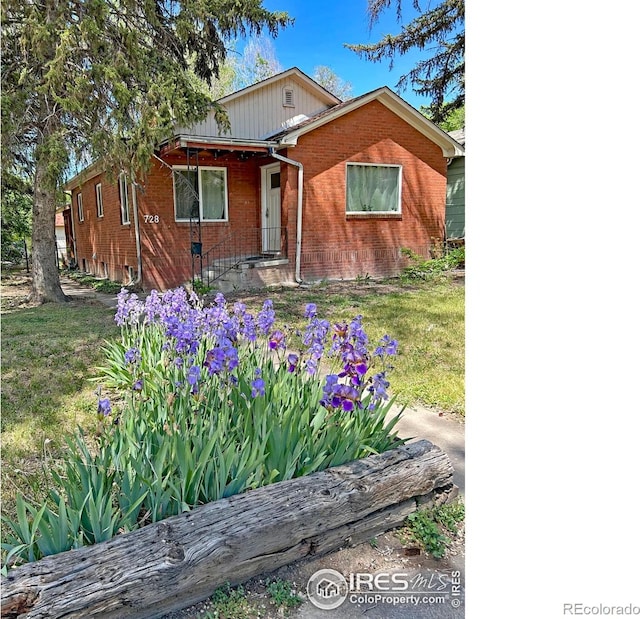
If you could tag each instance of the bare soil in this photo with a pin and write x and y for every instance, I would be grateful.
(16, 287)
(390, 552)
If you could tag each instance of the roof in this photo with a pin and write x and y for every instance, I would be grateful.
(93, 169)
(294, 73)
(458, 135)
(288, 137)
(450, 147)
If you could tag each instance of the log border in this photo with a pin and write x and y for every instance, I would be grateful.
(180, 561)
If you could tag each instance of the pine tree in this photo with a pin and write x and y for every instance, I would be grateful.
(106, 79)
(439, 31)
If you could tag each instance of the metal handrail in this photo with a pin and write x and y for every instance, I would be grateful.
(246, 245)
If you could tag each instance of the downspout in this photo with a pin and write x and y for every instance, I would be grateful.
(136, 228)
(299, 216)
(73, 234)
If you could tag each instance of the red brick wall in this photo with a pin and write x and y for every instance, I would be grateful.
(165, 244)
(105, 239)
(335, 246)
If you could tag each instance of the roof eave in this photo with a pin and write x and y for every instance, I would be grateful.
(450, 148)
(86, 174)
(294, 72)
(184, 141)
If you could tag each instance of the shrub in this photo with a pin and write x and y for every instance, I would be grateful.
(427, 526)
(421, 268)
(212, 401)
(282, 594)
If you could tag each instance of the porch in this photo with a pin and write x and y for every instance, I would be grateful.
(245, 259)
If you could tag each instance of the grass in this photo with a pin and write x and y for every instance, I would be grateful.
(49, 355)
(427, 320)
(99, 284)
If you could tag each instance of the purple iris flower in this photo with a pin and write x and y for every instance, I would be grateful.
(387, 347)
(104, 406)
(277, 340)
(379, 386)
(311, 366)
(346, 397)
(193, 376)
(266, 317)
(257, 387)
(132, 355)
(292, 359)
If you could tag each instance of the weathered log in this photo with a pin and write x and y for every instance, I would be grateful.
(181, 560)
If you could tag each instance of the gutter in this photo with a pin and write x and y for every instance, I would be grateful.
(184, 141)
(299, 215)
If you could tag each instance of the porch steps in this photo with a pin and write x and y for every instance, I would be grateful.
(242, 276)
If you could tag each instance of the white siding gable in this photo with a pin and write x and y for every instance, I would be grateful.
(265, 110)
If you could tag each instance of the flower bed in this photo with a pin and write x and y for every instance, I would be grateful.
(211, 401)
(181, 560)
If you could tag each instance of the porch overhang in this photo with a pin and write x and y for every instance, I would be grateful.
(220, 144)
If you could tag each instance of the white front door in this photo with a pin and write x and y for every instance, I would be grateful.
(271, 209)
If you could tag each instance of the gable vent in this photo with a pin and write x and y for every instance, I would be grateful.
(287, 97)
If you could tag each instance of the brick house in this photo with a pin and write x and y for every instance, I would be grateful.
(303, 188)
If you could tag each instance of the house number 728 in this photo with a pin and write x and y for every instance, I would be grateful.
(151, 219)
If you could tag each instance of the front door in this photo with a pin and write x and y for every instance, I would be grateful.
(271, 209)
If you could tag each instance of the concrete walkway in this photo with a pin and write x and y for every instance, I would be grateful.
(74, 290)
(446, 431)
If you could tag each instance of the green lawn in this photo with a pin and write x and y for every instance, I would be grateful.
(49, 355)
(427, 320)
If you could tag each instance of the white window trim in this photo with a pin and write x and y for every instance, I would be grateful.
(80, 207)
(374, 213)
(124, 199)
(226, 194)
(99, 202)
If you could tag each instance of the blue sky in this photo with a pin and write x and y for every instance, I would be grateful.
(322, 28)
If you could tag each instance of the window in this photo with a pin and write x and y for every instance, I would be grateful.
(373, 188)
(80, 208)
(287, 97)
(123, 188)
(200, 194)
(99, 206)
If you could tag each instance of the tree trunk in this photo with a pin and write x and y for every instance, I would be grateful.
(44, 254)
(183, 559)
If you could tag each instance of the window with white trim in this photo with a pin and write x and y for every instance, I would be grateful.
(99, 206)
(200, 193)
(123, 189)
(80, 207)
(373, 188)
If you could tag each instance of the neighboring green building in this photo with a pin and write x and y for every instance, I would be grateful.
(455, 192)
